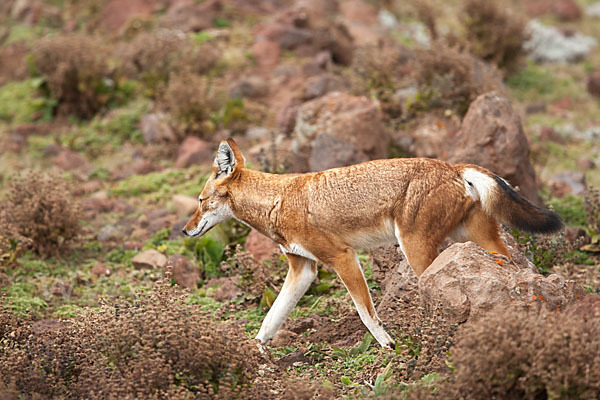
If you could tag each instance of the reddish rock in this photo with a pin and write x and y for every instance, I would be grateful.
(69, 160)
(587, 307)
(62, 288)
(298, 356)
(194, 151)
(467, 281)
(117, 12)
(250, 86)
(566, 10)
(149, 259)
(266, 53)
(286, 118)
(13, 66)
(184, 272)
(568, 182)
(575, 233)
(359, 11)
(260, 246)
(593, 84)
(492, 136)
(320, 85)
(132, 245)
(191, 15)
(549, 134)
(350, 125)
(227, 290)
(100, 270)
(283, 338)
(585, 164)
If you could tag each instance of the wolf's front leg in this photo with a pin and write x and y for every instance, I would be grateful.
(300, 275)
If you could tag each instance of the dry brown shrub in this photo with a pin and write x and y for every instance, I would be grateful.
(189, 100)
(511, 354)
(77, 73)
(153, 56)
(39, 212)
(450, 78)
(158, 347)
(494, 33)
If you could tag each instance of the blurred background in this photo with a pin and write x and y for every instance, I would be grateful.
(111, 110)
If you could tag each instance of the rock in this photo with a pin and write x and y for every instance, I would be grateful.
(149, 259)
(549, 134)
(568, 182)
(176, 229)
(297, 356)
(286, 118)
(156, 128)
(317, 86)
(117, 13)
(587, 307)
(69, 160)
(593, 84)
(184, 272)
(431, 137)
(593, 10)
(548, 44)
(585, 164)
(108, 233)
(228, 288)
(574, 233)
(100, 270)
(467, 281)
(251, 87)
(329, 152)
(393, 274)
(352, 124)
(302, 324)
(132, 245)
(492, 136)
(194, 151)
(260, 246)
(338, 41)
(257, 133)
(266, 53)
(184, 205)
(190, 15)
(283, 338)
(567, 10)
(62, 288)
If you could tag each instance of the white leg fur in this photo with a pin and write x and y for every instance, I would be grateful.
(293, 289)
(372, 324)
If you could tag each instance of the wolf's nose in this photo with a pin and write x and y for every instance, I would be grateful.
(184, 232)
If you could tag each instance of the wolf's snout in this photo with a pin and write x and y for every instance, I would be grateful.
(184, 232)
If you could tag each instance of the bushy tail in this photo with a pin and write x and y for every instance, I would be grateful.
(501, 201)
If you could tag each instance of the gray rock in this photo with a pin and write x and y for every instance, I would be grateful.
(156, 128)
(108, 232)
(548, 44)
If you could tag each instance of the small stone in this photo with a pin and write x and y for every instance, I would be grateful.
(156, 128)
(62, 288)
(108, 233)
(69, 160)
(593, 84)
(149, 259)
(184, 205)
(585, 164)
(184, 272)
(100, 270)
(266, 53)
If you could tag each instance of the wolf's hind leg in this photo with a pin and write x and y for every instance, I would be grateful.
(347, 266)
(300, 275)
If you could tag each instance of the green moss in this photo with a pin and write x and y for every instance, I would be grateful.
(571, 209)
(102, 135)
(22, 299)
(22, 102)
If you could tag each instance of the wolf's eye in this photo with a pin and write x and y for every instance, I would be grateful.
(200, 200)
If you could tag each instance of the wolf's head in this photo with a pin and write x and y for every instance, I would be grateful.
(214, 201)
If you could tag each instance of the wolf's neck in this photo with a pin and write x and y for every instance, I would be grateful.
(256, 200)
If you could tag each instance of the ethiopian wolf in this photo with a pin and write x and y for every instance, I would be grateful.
(324, 216)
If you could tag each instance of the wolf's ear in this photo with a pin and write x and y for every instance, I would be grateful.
(229, 158)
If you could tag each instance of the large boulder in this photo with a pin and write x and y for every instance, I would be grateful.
(466, 281)
(492, 136)
(340, 129)
(260, 246)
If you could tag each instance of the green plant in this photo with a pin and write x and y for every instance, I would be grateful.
(76, 72)
(23, 102)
